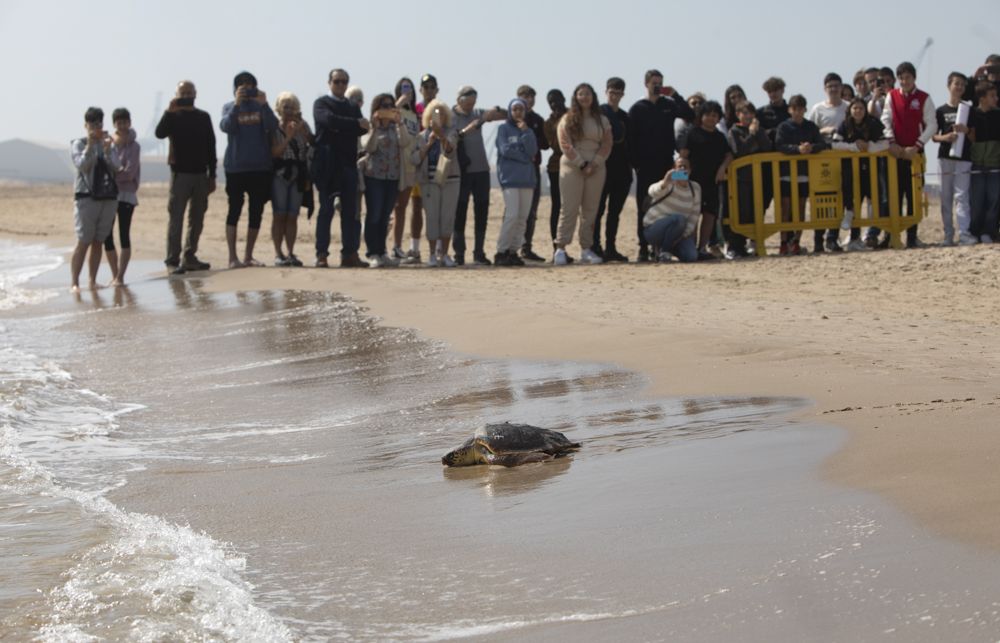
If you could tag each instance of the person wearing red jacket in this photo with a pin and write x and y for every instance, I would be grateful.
(910, 122)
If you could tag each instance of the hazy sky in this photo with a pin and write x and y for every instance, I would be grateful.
(61, 56)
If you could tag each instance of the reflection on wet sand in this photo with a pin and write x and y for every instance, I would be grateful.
(504, 481)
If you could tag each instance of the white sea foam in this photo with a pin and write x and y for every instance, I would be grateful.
(20, 263)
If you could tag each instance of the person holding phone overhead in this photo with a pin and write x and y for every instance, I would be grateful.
(193, 162)
(651, 139)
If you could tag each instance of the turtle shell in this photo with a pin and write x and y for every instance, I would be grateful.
(520, 438)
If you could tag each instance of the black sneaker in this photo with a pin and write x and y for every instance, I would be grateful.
(513, 259)
(871, 241)
(818, 249)
(171, 264)
(612, 254)
(597, 250)
(833, 246)
(179, 270)
(459, 259)
(481, 259)
(528, 255)
(643, 255)
(194, 264)
(500, 259)
(884, 243)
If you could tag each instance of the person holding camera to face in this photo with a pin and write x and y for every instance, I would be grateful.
(290, 149)
(475, 169)
(250, 124)
(193, 163)
(95, 195)
(384, 166)
(406, 102)
(673, 207)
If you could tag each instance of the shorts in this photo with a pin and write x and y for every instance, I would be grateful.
(285, 196)
(94, 219)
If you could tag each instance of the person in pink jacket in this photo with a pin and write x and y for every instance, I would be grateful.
(125, 157)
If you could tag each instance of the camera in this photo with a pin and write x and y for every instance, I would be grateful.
(250, 92)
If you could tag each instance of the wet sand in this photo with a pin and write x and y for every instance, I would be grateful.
(897, 347)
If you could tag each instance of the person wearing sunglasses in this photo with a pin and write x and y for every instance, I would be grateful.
(339, 124)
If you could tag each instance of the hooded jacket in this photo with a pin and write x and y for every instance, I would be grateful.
(516, 150)
(85, 158)
(126, 161)
(250, 126)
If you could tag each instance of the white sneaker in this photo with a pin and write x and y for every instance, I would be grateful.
(389, 261)
(397, 253)
(559, 258)
(448, 262)
(985, 239)
(855, 245)
(966, 240)
(589, 256)
(432, 262)
(664, 257)
(374, 262)
(412, 256)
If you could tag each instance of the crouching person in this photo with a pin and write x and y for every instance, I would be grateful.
(672, 213)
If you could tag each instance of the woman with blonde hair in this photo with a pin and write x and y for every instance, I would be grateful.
(290, 150)
(585, 140)
(439, 176)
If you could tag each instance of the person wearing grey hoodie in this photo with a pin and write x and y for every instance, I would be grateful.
(125, 158)
(95, 195)
(516, 149)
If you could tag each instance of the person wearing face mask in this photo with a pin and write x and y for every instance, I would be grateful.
(651, 143)
(516, 150)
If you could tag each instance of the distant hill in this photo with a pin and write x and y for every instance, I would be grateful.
(26, 162)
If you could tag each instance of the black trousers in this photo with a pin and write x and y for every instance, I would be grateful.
(477, 186)
(556, 198)
(613, 198)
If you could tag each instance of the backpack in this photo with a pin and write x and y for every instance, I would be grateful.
(104, 187)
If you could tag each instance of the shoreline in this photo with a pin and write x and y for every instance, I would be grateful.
(907, 367)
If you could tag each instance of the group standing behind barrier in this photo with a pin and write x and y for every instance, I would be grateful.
(855, 159)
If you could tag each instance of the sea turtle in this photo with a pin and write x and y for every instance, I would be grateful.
(509, 445)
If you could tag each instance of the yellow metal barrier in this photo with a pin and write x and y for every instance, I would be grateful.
(825, 196)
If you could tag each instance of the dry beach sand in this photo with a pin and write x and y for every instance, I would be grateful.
(898, 347)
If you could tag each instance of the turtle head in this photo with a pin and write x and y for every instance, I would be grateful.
(463, 456)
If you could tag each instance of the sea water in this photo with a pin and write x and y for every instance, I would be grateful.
(187, 465)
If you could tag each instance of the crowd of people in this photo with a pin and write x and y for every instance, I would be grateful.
(403, 152)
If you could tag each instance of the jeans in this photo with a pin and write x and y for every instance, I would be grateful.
(350, 226)
(666, 234)
(955, 185)
(985, 197)
(476, 185)
(380, 199)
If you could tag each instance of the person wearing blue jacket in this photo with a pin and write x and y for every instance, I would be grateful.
(516, 149)
(250, 124)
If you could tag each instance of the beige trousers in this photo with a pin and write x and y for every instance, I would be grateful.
(581, 196)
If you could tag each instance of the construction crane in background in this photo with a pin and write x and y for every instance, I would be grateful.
(924, 56)
(151, 145)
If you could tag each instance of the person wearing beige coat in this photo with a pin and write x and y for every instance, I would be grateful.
(585, 140)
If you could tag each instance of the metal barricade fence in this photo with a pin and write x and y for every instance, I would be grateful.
(876, 195)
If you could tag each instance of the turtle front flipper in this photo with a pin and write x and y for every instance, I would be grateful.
(515, 459)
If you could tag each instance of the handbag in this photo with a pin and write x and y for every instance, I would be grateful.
(104, 187)
(443, 169)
